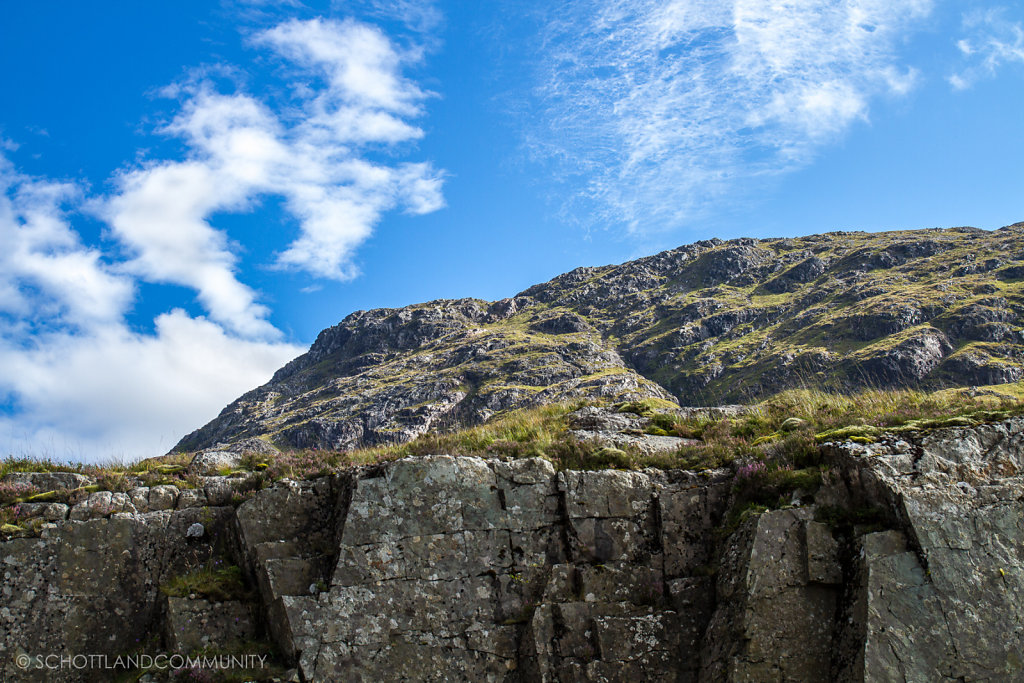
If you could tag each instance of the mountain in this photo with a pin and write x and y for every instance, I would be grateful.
(707, 323)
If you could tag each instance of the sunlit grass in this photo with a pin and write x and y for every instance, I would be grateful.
(784, 430)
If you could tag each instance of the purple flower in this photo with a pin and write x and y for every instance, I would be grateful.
(751, 470)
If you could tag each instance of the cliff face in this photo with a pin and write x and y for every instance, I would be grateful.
(461, 568)
(704, 324)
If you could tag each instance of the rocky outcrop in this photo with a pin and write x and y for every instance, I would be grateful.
(622, 429)
(905, 566)
(476, 570)
(949, 581)
(434, 367)
(93, 587)
(704, 324)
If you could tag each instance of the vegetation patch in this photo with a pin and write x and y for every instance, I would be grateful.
(214, 581)
(12, 493)
(783, 433)
(647, 407)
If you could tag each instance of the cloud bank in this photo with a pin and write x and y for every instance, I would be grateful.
(81, 382)
(76, 378)
(663, 106)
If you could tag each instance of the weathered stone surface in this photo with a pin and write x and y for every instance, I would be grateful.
(822, 554)
(955, 590)
(909, 359)
(191, 498)
(139, 496)
(288, 534)
(101, 504)
(461, 568)
(48, 481)
(92, 587)
(163, 497)
(461, 564)
(646, 443)
(193, 624)
(49, 511)
(209, 463)
(773, 623)
(218, 491)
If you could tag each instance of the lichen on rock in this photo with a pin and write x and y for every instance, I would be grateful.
(465, 568)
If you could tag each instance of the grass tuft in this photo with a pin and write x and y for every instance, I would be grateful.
(214, 581)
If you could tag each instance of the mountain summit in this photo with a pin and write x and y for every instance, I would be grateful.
(707, 323)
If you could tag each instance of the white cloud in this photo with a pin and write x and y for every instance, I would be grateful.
(361, 64)
(45, 271)
(662, 106)
(993, 42)
(315, 156)
(77, 379)
(116, 393)
(84, 384)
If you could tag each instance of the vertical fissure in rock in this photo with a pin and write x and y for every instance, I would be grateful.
(342, 487)
(657, 541)
(850, 618)
(906, 525)
(568, 537)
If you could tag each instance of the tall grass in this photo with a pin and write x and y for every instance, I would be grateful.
(783, 430)
(882, 407)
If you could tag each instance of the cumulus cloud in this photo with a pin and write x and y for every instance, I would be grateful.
(360, 63)
(46, 274)
(317, 156)
(83, 384)
(993, 41)
(662, 106)
(114, 393)
(76, 379)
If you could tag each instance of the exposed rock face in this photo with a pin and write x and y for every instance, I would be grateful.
(704, 324)
(950, 582)
(459, 568)
(197, 623)
(620, 429)
(93, 586)
(48, 481)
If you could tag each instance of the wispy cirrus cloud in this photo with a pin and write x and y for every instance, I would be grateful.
(420, 16)
(661, 106)
(993, 41)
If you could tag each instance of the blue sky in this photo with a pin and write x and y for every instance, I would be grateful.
(191, 190)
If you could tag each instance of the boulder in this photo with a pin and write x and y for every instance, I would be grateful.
(210, 463)
(49, 481)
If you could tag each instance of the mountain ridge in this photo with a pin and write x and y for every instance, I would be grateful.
(710, 322)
